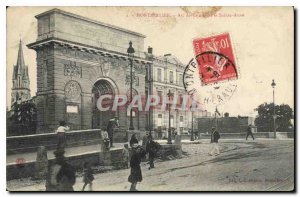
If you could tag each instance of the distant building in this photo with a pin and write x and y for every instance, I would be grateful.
(237, 124)
(20, 90)
(168, 76)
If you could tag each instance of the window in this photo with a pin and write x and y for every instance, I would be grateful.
(180, 80)
(159, 74)
(136, 80)
(159, 120)
(171, 77)
(159, 94)
(181, 123)
(172, 120)
(180, 99)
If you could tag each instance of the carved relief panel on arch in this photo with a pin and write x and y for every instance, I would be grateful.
(72, 91)
(72, 69)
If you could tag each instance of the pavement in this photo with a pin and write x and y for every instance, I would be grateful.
(71, 151)
(260, 165)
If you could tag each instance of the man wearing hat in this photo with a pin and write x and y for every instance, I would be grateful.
(61, 175)
(112, 123)
(215, 136)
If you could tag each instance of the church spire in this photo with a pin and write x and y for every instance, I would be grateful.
(20, 60)
(21, 82)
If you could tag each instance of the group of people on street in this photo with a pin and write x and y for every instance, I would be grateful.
(61, 175)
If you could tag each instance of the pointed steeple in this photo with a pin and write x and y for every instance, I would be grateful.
(21, 82)
(20, 62)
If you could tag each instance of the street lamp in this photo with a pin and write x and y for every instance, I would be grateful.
(169, 130)
(149, 74)
(130, 52)
(192, 110)
(274, 115)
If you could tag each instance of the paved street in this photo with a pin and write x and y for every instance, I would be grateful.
(260, 165)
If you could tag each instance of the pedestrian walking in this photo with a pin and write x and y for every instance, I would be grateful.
(152, 148)
(125, 156)
(135, 172)
(61, 136)
(88, 176)
(249, 132)
(61, 175)
(112, 123)
(133, 140)
(215, 136)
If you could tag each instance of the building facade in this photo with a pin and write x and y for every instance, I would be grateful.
(78, 60)
(21, 83)
(167, 74)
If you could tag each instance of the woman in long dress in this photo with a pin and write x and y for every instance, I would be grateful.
(135, 173)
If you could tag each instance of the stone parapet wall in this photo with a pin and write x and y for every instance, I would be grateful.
(30, 143)
(112, 159)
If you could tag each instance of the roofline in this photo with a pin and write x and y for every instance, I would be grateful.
(89, 20)
(58, 40)
(158, 58)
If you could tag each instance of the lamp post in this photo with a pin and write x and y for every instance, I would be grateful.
(169, 130)
(149, 74)
(130, 52)
(274, 115)
(192, 110)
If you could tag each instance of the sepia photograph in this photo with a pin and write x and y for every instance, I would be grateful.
(147, 99)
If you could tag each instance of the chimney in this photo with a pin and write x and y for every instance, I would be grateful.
(150, 50)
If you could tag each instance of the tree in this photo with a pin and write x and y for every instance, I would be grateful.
(226, 114)
(22, 119)
(265, 121)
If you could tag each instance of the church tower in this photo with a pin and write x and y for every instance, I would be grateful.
(20, 90)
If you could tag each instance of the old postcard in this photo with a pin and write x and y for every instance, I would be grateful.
(150, 99)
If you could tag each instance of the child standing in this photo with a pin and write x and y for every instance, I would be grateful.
(88, 176)
(106, 141)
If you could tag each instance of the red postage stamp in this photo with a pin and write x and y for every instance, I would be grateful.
(215, 59)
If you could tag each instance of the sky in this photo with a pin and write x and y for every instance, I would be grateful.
(262, 38)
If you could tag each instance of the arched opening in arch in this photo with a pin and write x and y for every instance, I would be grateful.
(100, 118)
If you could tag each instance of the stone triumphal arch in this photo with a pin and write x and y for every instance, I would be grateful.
(79, 59)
